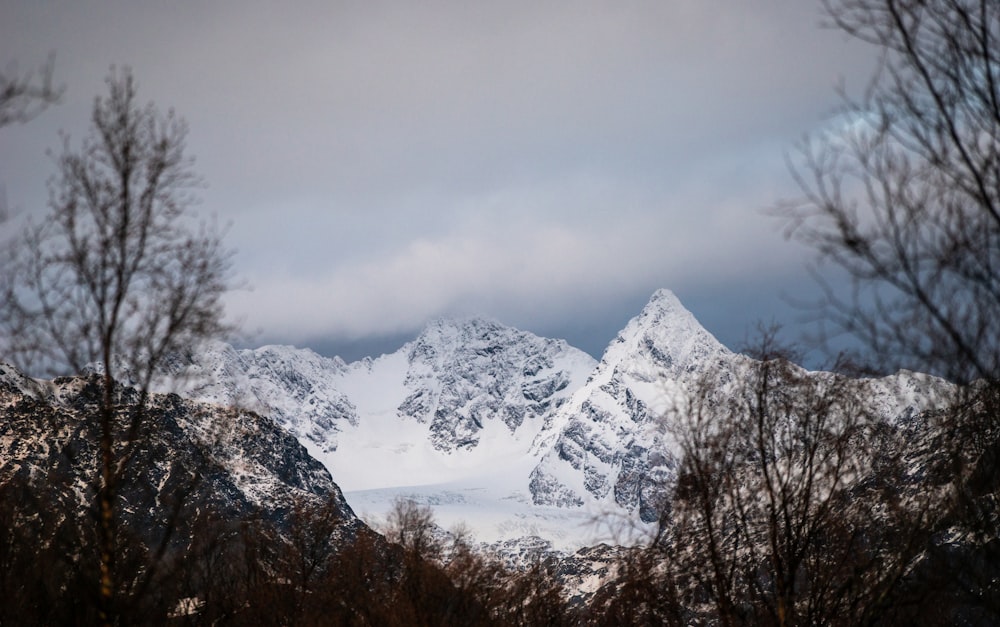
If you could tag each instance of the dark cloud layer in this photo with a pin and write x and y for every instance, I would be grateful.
(547, 164)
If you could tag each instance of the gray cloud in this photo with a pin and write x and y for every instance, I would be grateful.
(382, 163)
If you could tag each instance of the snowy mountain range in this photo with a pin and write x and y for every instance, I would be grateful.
(512, 434)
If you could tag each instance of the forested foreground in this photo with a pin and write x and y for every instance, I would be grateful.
(254, 572)
(795, 505)
(248, 572)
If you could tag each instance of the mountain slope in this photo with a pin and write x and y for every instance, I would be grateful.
(614, 447)
(466, 396)
(295, 387)
(463, 402)
(199, 456)
(608, 447)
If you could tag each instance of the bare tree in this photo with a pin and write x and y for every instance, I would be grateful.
(411, 526)
(904, 192)
(642, 592)
(119, 277)
(312, 540)
(790, 506)
(24, 97)
(903, 198)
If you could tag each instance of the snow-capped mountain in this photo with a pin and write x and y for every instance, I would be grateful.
(465, 378)
(473, 415)
(509, 432)
(464, 401)
(457, 379)
(608, 446)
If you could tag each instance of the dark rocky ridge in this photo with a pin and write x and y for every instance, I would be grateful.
(188, 458)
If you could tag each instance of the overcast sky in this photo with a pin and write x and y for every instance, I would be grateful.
(547, 164)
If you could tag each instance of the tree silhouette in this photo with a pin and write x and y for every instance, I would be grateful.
(792, 504)
(902, 197)
(24, 97)
(118, 277)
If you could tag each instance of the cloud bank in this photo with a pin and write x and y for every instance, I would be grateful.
(384, 163)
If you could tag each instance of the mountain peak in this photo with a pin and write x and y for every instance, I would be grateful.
(461, 375)
(451, 329)
(462, 338)
(665, 308)
(665, 296)
(622, 404)
(667, 334)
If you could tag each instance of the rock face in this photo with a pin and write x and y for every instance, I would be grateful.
(188, 457)
(609, 445)
(463, 374)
